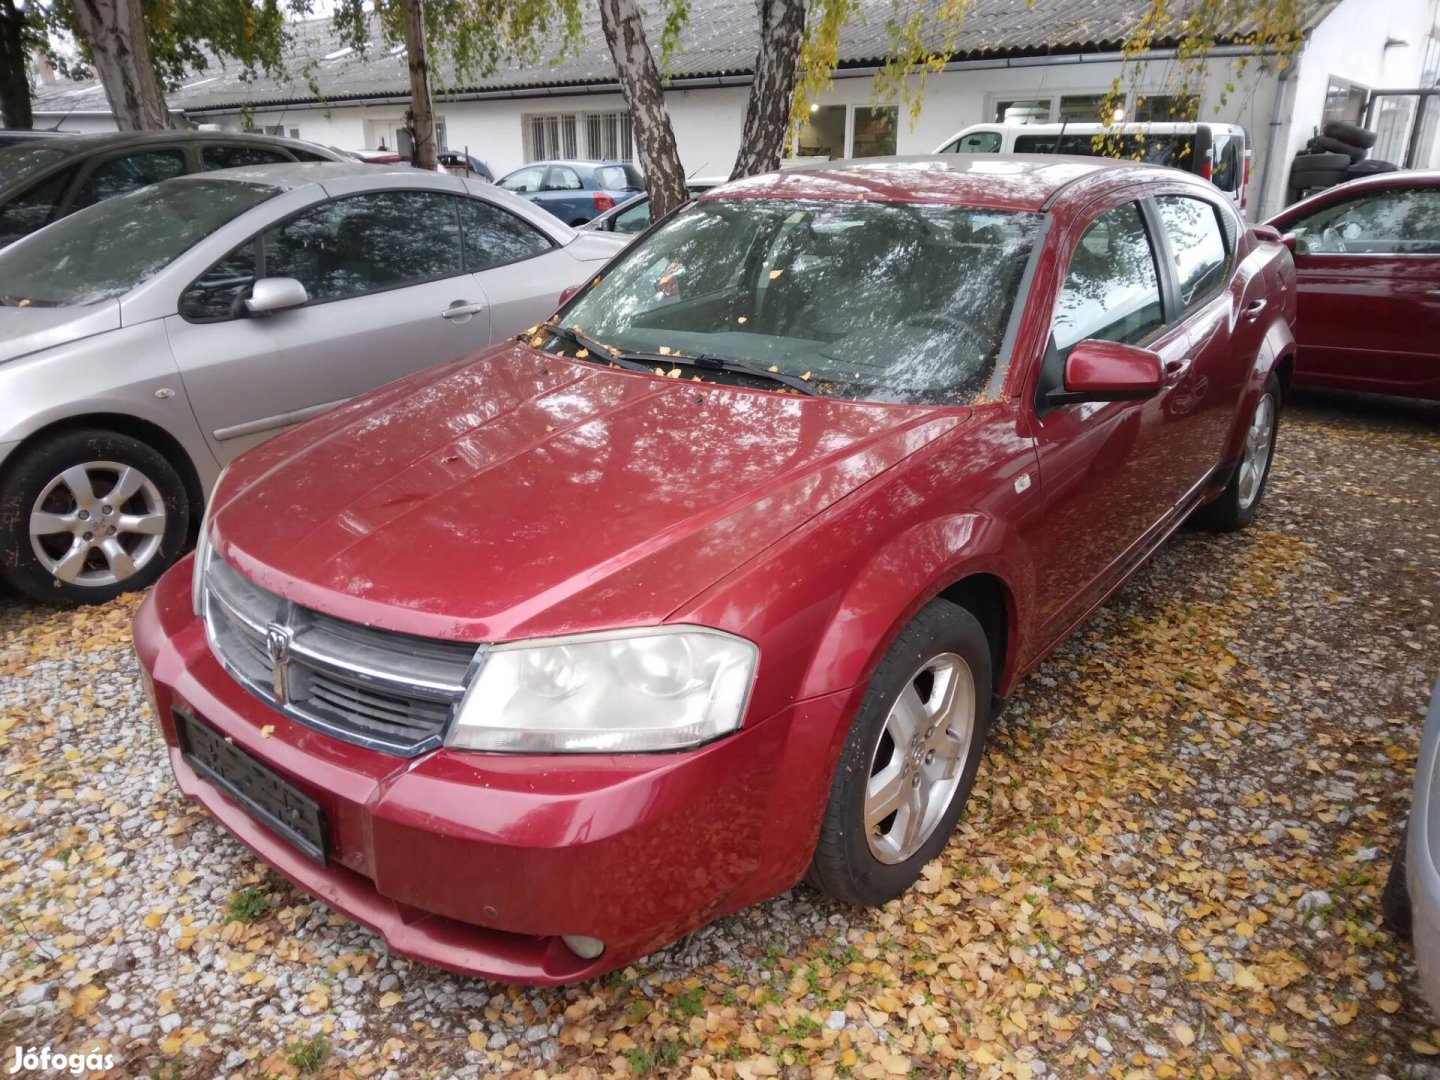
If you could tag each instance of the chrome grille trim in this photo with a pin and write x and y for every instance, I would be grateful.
(378, 689)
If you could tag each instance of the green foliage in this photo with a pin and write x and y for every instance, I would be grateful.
(247, 905)
(468, 39)
(308, 1055)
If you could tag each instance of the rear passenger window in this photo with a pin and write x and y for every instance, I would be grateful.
(122, 174)
(494, 236)
(1112, 289)
(239, 157)
(563, 179)
(1193, 230)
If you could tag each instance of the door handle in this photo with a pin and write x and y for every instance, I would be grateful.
(461, 310)
(1254, 308)
(1174, 369)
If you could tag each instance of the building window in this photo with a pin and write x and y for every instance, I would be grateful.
(1164, 108)
(1082, 108)
(874, 133)
(607, 136)
(848, 131)
(1345, 100)
(1023, 111)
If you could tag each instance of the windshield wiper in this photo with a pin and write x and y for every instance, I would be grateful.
(648, 362)
(599, 352)
(736, 367)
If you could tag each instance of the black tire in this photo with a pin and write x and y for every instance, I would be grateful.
(1235, 507)
(1395, 899)
(1371, 167)
(1353, 134)
(157, 511)
(1311, 179)
(844, 865)
(1325, 144)
(1319, 162)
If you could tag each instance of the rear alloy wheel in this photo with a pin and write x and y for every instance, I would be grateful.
(97, 514)
(1235, 507)
(910, 761)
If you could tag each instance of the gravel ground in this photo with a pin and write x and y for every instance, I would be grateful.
(1171, 865)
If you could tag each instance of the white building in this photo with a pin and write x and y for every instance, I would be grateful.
(1057, 58)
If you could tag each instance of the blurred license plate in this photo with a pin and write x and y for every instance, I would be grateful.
(270, 799)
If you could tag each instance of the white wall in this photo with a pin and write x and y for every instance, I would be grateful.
(1349, 43)
(76, 123)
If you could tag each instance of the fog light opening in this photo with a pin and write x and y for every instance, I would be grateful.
(587, 948)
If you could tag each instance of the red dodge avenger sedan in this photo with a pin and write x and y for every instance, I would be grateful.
(543, 658)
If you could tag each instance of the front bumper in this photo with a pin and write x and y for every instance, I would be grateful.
(1422, 857)
(479, 862)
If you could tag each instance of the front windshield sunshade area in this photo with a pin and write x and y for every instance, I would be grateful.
(895, 302)
(104, 251)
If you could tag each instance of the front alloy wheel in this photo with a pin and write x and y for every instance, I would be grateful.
(87, 515)
(910, 759)
(97, 523)
(918, 756)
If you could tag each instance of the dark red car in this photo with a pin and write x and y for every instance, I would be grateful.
(541, 659)
(1367, 257)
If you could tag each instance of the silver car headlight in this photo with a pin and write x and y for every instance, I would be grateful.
(624, 691)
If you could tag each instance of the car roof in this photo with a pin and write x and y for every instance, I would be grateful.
(571, 161)
(107, 139)
(1126, 127)
(999, 181)
(288, 175)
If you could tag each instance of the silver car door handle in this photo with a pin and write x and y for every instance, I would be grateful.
(1254, 308)
(460, 309)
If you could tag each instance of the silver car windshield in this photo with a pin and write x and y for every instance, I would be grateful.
(107, 249)
(881, 301)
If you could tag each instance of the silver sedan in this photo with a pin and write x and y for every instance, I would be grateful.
(150, 338)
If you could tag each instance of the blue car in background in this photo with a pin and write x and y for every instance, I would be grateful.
(575, 191)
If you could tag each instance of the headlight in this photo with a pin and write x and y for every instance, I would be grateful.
(658, 688)
(202, 552)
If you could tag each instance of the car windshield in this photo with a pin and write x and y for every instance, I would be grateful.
(107, 249)
(28, 158)
(878, 301)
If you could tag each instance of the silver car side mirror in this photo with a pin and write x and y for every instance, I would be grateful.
(270, 295)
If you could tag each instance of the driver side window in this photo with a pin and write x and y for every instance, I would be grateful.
(1402, 221)
(1112, 288)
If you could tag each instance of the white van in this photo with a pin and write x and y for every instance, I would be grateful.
(1218, 152)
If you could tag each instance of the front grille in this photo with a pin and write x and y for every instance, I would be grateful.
(388, 691)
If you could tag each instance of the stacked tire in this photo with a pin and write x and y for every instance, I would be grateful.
(1336, 155)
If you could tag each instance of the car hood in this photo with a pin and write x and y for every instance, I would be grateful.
(516, 494)
(25, 330)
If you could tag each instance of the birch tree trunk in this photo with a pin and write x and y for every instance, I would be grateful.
(421, 116)
(113, 32)
(777, 63)
(640, 82)
(14, 82)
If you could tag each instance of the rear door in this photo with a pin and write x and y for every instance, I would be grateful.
(1368, 271)
(521, 270)
(1204, 387)
(389, 295)
(564, 195)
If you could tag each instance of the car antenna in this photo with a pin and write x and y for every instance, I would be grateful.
(695, 170)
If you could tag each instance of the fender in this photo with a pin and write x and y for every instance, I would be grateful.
(912, 569)
(1278, 343)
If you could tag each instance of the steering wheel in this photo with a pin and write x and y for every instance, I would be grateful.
(1332, 240)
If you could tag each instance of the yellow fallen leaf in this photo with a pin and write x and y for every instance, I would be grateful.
(476, 1039)
(1420, 1046)
(1185, 1034)
(267, 731)
(391, 999)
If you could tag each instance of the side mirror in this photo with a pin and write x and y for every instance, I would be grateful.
(269, 295)
(1265, 232)
(1108, 371)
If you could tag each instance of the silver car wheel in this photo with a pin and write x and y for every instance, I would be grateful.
(917, 761)
(97, 524)
(1256, 456)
